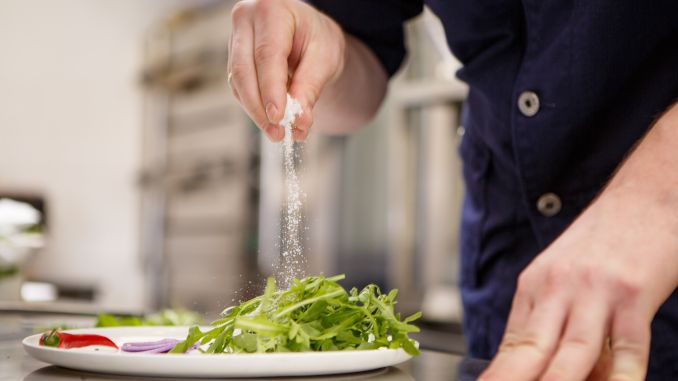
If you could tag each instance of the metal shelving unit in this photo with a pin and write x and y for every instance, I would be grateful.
(200, 161)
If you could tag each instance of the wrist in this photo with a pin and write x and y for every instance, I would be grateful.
(645, 223)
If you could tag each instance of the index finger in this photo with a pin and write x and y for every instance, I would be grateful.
(532, 346)
(580, 346)
(243, 72)
(273, 37)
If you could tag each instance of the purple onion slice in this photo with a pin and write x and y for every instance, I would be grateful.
(160, 346)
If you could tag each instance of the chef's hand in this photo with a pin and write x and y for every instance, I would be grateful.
(271, 40)
(598, 285)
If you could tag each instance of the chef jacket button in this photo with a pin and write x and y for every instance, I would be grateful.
(461, 131)
(549, 204)
(528, 103)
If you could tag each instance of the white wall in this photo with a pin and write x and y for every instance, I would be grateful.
(70, 127)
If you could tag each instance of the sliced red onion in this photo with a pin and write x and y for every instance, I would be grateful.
(160, 346)
(164, 349)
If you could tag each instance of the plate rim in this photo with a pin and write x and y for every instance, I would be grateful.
(26, 342)
(31, 346)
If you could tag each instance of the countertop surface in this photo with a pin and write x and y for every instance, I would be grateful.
(15, 364)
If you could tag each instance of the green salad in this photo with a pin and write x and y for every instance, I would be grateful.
(313, 314)
(164, 317)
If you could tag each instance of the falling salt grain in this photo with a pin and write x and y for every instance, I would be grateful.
(292, 251)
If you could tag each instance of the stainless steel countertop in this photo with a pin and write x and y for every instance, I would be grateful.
(16, 365)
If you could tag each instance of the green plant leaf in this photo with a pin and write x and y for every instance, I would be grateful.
(313, 314)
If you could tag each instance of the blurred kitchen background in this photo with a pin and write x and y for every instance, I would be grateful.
(131, 180)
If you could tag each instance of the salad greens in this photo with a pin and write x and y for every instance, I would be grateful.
(313, 314)
(164, 317)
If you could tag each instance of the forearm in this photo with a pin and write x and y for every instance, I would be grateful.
(650, 173)
(643, 197)
(353, 99)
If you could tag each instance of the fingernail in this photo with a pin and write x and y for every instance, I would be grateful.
(300, 135)
(300, 128)
(273, 132)
(271, 112)
(301, 123)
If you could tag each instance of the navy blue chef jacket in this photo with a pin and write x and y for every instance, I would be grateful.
(559, 93)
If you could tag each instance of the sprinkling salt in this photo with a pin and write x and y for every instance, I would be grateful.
(292, 110)
(292, 261)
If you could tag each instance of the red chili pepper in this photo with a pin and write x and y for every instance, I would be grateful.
(68, 340)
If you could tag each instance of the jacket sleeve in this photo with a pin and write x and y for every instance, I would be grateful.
(378, 23)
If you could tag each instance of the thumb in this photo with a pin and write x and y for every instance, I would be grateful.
(306, 86)
(315, 70)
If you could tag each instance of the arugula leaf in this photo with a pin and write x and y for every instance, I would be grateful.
(313, 314)
(194, 335)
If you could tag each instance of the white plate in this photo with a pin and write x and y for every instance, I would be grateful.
(108, 360)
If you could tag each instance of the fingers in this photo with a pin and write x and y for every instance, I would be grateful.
(630, 345)
(601, 371)
(321, 63)
(537, 347)
(230, 74)
(243, 71)
(274, 132)
(520, 313)
(526, 354)
(581, 344)
(299, 135)
(273, 36)
(518, 318)
(302, 124)
(307, 83)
